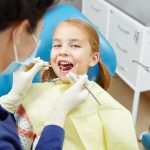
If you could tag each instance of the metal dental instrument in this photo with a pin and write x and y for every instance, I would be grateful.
(47, 66)
(29, 66)
(90, 91)
(43, 66)
(145, 67)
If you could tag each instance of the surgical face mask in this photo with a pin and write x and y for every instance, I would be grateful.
(16, 64)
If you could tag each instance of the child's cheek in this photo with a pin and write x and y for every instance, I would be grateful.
(78, 59)
(53, 56)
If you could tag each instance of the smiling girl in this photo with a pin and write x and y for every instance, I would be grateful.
(91, 126)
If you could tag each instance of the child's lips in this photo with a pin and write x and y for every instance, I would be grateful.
(65, 66)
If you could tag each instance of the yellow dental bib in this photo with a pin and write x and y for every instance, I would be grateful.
(88, 127)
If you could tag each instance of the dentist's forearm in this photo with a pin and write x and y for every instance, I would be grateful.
(10, 102)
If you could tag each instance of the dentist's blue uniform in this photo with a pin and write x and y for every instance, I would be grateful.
(51, 138)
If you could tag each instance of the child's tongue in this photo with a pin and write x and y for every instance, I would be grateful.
(66, 67)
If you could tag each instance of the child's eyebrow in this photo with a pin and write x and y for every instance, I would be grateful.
(56, 40)
(76, 40)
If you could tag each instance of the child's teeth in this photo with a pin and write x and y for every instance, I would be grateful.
(64, 63)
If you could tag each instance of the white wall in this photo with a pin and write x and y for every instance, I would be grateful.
(140, 9)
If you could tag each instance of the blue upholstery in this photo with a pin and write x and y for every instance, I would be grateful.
(54, 16)
(146, 141)
(5, 84)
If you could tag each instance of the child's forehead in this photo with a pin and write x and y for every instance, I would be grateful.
(70, 39)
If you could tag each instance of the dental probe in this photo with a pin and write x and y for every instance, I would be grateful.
(90, 92)
(43, 66)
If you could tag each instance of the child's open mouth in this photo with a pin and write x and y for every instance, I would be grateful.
(65, 66)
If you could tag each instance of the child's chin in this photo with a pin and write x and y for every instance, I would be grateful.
(64, 79)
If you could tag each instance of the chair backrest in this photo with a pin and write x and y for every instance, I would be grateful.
(54, 16)
(62, 12)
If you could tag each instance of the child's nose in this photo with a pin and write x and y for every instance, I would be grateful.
(64, 51)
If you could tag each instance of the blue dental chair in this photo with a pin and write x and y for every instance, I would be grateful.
(145, 139)
(54, 16)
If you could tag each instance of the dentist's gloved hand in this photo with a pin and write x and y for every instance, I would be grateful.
(76, 94)
(22, 81)
(71, 98)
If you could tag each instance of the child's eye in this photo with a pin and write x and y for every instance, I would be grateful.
(75, 45)
(57, 45)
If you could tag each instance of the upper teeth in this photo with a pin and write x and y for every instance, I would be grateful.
(64, 63)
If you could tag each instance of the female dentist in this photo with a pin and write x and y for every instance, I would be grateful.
(20, 24)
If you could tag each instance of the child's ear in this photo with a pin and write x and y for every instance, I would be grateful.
(94, 59)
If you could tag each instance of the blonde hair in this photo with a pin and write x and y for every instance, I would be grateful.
(93, 38)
